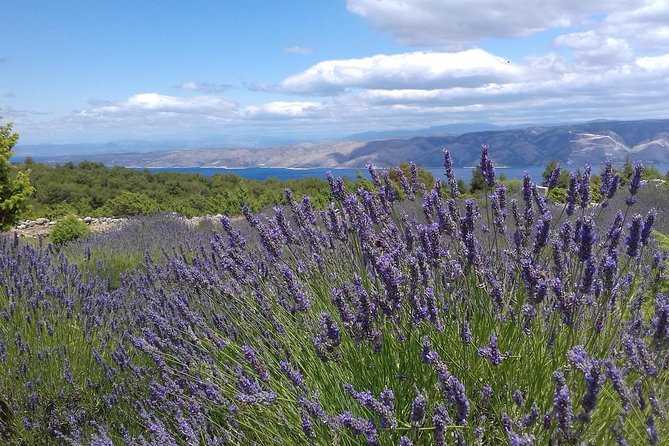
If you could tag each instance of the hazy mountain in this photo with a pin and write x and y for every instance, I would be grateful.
(439, 130)
(574, 144)
(48, 151)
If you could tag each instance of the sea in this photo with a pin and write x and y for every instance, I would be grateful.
(280, 173)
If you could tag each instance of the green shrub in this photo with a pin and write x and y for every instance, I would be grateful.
(130, 203)
(558, 195)
(68, 229)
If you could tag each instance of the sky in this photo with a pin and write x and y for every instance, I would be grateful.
(82, 71)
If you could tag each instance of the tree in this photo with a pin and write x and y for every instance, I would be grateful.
(15, 188)
(131, 203)
(477, 182)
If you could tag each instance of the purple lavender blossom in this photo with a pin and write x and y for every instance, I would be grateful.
(301, 300)
(587, 238)
(584, 187)
(634, 237)
(433, 309)
(653, 438)
(440, 420)
(527, 190)
(418, 407)
(465, 332)
(252, 358)
(336, 186)
(455, 393)
(383, 407)
(404, 184)
(541, 235)
(606, 179)
(405, 441)
(648, 226)
(562, 405)
(307, 425)
(491, 352)
(660, 321)
(588, 276)
(416, 185)
(360, 426)
(486, 394)
(327, 338)
(613, 186)
(635, 182)
(572, 191)
(615, 375)
(553, 178)
(486, 166)
(594, 379)
(293, 374)
(448, 168)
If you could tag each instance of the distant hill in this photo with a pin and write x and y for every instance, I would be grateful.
(439, 130)
(572, 144)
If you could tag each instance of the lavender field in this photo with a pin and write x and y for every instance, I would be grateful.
(403, 315)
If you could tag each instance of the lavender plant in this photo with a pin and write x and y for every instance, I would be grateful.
(378, 321)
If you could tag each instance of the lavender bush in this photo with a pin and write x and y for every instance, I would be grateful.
(377, 321)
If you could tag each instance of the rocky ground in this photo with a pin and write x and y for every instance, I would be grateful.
(42, 226)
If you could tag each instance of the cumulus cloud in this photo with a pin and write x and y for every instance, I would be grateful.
(154, 105)
(298, 50)
(283, 110)
(164, 104)
(458, 23)
(594, 49)
(407, 70)
(646, 24)
(204, 87)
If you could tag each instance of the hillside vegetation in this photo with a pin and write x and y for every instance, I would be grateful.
(91, 189)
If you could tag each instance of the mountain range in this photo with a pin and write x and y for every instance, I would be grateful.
(571, 144)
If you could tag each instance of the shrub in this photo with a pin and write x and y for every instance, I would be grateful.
(68, 229)
(15, 188)
(131, 203)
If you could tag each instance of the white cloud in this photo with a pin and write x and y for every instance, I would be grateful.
(282, 110)
(204, 87)
(458, 23)
(154, 103)
(408, 70)
(594, 49)
(646, 25)
(298, 50)
(638, 27)
(654, 63)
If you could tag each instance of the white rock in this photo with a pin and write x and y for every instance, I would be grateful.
(88, 220)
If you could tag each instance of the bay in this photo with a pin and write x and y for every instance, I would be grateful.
(280, 173)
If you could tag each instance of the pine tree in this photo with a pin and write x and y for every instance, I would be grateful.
(15, 188)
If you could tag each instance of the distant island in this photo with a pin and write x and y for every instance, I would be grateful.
(571, 144)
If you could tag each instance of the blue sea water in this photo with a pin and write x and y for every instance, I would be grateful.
(262, 173)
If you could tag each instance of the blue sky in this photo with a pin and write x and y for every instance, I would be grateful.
(77, 71)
